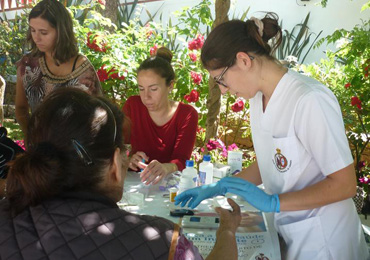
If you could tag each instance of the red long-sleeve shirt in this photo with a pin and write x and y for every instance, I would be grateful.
(171, 143)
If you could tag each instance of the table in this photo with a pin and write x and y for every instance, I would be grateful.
(150, 200)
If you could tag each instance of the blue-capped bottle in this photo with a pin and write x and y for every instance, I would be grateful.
(190, 171)
(205, 171)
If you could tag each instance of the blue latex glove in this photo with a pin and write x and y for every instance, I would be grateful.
(252, 194)
(196, 195)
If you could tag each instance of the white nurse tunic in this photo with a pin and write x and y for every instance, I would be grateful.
(299, 140)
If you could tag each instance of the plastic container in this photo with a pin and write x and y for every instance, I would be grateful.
(205, 171)
(173, 193)
(190, 171)
(185, 184)
(235, 160)
(188, 178)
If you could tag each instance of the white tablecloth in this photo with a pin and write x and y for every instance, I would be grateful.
(150, 200)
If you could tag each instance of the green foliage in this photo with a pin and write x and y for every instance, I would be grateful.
(130, 45)
(346, 72)
(127, 13)
(294, 42)
(12, 42)
(116, 55)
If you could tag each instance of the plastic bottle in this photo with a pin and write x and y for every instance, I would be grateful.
(206, 171)
(188, 178)
(190, 171)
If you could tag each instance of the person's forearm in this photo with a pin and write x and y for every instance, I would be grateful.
(338, 186)
(251, 174)
(22, 116)
(225, 247)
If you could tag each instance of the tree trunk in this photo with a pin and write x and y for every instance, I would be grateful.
(111, 12)
(214, 98)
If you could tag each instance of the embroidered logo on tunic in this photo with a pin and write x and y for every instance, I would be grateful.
(280, 161)
(261, 257)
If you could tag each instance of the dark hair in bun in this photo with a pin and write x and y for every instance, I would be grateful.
(229, 38)
(160, 64)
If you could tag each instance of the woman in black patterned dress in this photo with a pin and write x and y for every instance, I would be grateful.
(53, 62)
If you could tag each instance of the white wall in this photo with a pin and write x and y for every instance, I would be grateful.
(338, 14)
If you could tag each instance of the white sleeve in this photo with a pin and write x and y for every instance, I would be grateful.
(319, 126)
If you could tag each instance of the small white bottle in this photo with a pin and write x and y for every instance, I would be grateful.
(188, 178)
(190, 171)
(205, 171)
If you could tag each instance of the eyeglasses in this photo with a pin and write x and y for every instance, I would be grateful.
(218, 79)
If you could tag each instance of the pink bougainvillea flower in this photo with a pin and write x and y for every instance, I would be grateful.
(232, 147)
(153, 50)
(197, 77)
(196, 43)
(192, 97)
(196, 156)
(224, 153)
(212, 145)
(355, 101)
(102, 74)
(238, 106)
(193, 56)
(347, 85)
(20, 143)
(364, 180)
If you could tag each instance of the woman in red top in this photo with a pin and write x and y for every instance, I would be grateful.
(163, 131)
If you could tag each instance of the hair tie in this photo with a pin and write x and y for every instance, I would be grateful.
(259, 25)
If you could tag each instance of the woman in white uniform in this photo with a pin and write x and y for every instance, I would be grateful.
(303, 157)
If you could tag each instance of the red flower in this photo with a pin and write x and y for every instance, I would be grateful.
(193, 56)
(347, 85)
(153, 50)
(149, 31)
(355, 101)
(192, 97)
(102, 2)
(92, 43)
(197, 43)
(102, 74)
(238, 106)
(200, 130)
(197, 77)
(113, 74)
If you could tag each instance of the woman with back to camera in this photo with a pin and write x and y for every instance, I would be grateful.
(53, 62)
(303, 157)
(162, 131)
(62, 192)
